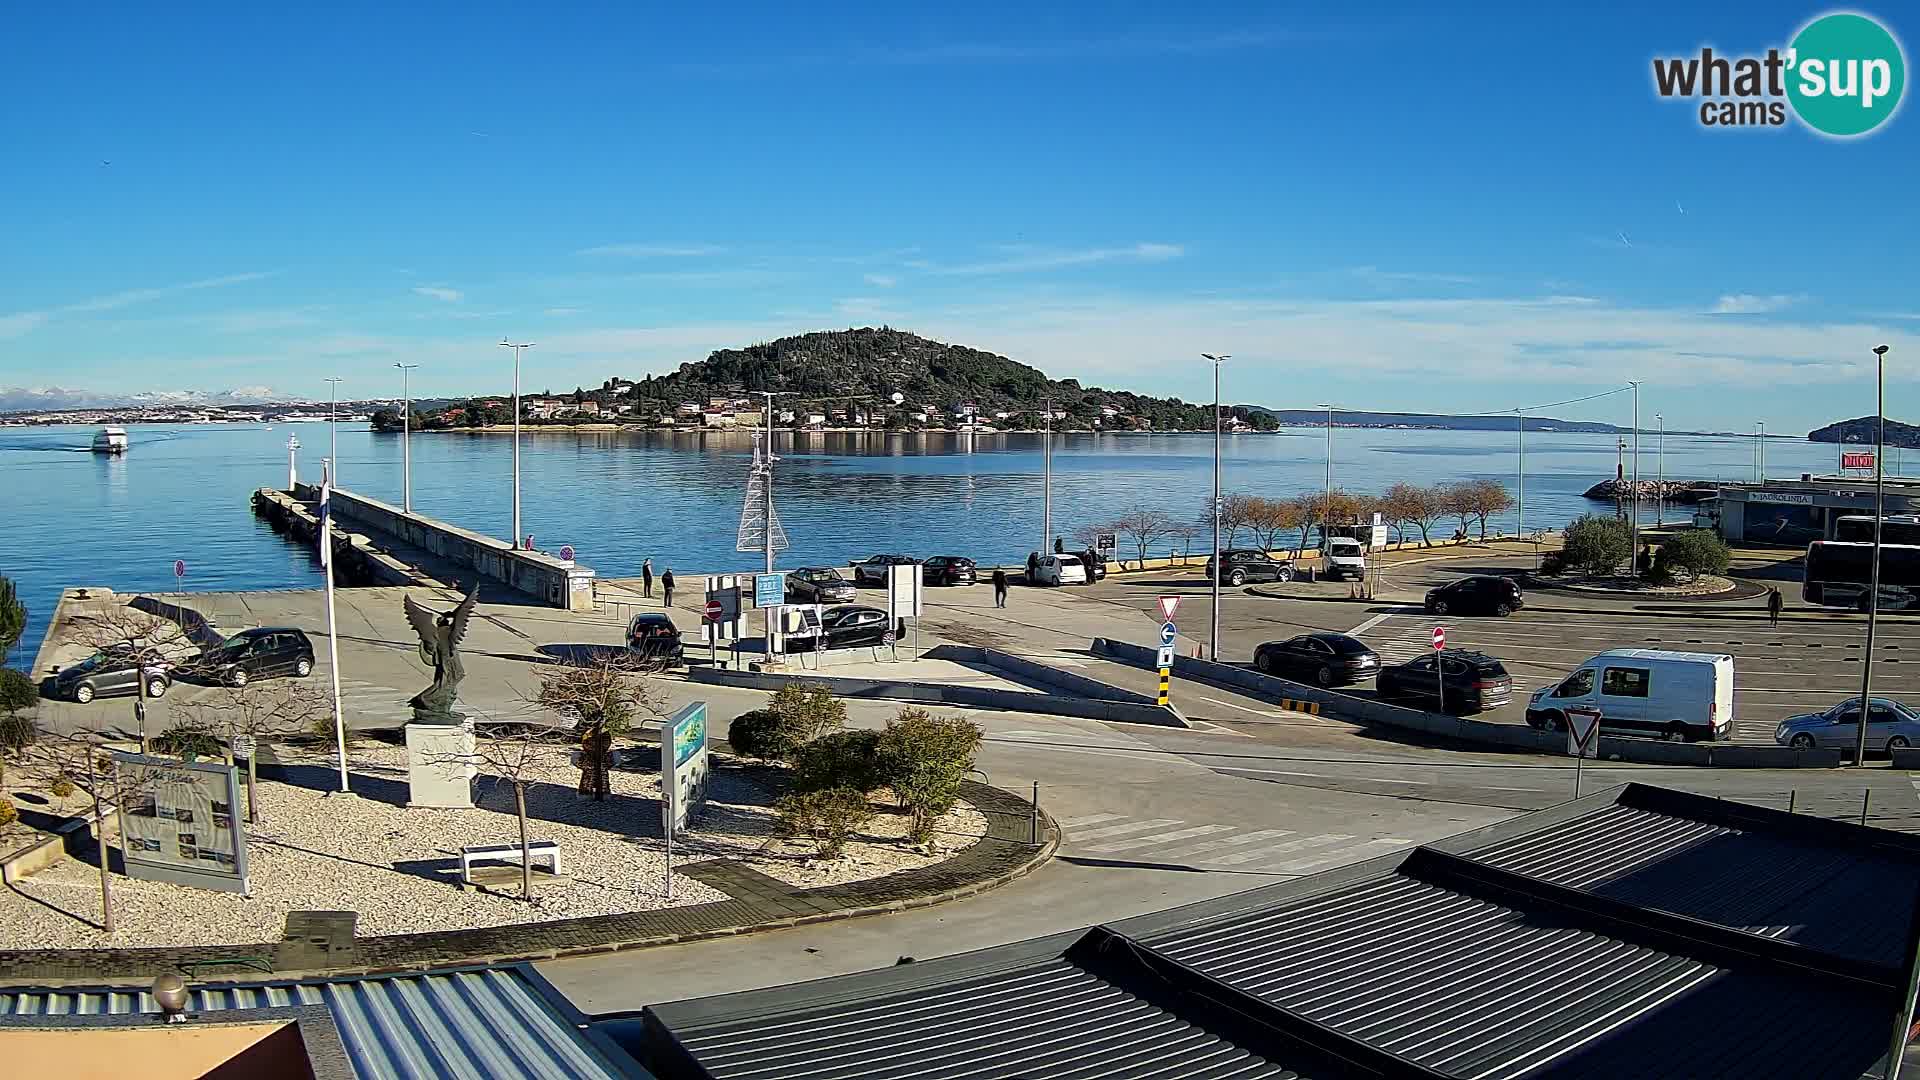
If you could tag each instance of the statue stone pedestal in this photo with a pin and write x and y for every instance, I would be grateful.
(439, 765)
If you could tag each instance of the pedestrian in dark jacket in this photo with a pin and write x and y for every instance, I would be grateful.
(999, 587)
(646, 577)
(666, 588)
(1774, 604)
(1059, 546)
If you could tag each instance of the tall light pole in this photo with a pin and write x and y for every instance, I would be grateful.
(406, 437)
(1520, 499)
(1634, 530)
(1046, 465)
(1326, 508)
(1660, 495)
(333, 426)
(1213, 629)
(1873, 577)
(516, 347)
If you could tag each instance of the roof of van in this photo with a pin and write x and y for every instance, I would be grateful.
(1664, 654)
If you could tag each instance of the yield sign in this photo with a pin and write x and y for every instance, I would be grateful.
(1583, 731)
(1168, 605)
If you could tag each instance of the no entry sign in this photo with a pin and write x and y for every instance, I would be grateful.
(715, 611)
(1439, 637)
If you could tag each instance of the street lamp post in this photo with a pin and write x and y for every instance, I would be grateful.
(1660, 495)
(1046, 483)
(1520, 499)
(1326, 508)
(333, 427)
(1762, 425)
(1213, 630)
(406, 436)
(1873, 577)
(1634, 530)
(516, 347)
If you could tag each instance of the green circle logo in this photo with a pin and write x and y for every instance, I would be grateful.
(1845, 74)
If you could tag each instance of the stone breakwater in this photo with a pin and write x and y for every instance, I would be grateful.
(1675, 491)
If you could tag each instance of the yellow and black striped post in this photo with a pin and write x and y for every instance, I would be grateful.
(1165, 697)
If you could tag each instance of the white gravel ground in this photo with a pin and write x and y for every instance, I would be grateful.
(397, 867)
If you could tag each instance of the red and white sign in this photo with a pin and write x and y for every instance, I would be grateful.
(1583, 732)
(1168, 605)
(179, 568)
(566, 553)
(715, 610)
(1857, 459)
(1439, 637)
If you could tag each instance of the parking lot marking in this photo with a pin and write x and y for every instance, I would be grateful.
(1241, 857)
(1090, 819)
(1129, 827)
(1243, 839)
(1160, 838)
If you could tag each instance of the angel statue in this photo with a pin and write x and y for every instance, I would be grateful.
(440, 635)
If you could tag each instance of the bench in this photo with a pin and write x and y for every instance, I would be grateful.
(508, 854)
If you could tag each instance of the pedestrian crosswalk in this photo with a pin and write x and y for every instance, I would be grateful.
(1212, 844)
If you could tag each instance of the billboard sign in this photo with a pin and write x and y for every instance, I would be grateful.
(769, 590)
(683, 765)
(179, 822)
(903, 592)
(1857, 459)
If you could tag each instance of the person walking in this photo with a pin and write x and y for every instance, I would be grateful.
(666, 588)
(646, 577)
(1774, 604)
(999, 587)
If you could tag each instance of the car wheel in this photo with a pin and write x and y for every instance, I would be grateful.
(1283, 576)
(1898, 742)
(1554, 721)
(156, 687)
(83, 693)
(1675, 733)
(1263, 663)
(1238, 577)
(1438, 607)
(1503, 609)
(1324, 676)
(303, 668)
(1802, 741)
(237, 677)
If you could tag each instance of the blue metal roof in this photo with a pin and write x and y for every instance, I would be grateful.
(471, 1023)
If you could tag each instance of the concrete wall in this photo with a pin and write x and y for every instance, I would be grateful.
(549, 579)
(1515, 736)
(978, 697)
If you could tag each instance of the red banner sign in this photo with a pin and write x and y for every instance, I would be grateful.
(1857, 459)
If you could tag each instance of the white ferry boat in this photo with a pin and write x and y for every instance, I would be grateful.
(110, 440)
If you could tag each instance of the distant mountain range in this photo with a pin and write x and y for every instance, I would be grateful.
(56, 399)
(1861, 429)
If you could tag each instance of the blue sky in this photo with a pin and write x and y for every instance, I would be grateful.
(1415, 208)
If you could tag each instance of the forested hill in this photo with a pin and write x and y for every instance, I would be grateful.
(1863, 429)
(876, 363)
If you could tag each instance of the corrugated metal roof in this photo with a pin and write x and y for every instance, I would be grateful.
(1050, 1019)
(482, 1023)
(1762, 882)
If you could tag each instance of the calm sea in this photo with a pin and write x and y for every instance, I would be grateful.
(69, 517)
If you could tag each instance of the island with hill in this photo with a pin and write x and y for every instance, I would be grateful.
(1864, 429)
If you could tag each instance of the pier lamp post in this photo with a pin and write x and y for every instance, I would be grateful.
(406, 437)
(1633, 559)
(1660, 495)
(1213, 631)
(505, 344)
(1873, 576)
(333, 426)
(1326, 508)
(1520, 487)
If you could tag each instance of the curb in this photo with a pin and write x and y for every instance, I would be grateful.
(18, 967)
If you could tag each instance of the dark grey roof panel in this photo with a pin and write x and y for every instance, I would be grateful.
(1051, 1019)
(1768, 884)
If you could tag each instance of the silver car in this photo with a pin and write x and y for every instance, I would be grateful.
(1890, 726)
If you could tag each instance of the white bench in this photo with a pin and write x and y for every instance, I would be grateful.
(508, 854)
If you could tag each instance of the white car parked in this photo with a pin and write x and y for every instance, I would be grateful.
(1060, 570)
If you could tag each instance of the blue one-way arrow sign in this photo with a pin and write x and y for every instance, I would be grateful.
(1167, 634)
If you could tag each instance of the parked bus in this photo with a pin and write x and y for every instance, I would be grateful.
(1894, 529)
(1838, 573)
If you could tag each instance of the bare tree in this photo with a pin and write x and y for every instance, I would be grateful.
(1184, 532)
(1268, 518)
(1088, 535)
(258, 714)
(604, 697)
(1143, 526)
(126, 634)
(517, 755)
(82, 760)
(1233, 515)
(1485, 498)
(1458, 501)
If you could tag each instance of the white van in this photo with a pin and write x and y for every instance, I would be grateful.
(1680, 696)
(1343, 556)
(1060, 570)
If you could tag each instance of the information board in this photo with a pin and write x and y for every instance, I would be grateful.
(683, 765)
(178, 822)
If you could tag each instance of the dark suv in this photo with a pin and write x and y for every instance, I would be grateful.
(256, 654)
(947, 570)
(1482, 594)
(818, 585)
(1246, 565)
(1475, 682)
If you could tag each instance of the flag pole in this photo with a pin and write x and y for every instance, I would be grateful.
(333, 629)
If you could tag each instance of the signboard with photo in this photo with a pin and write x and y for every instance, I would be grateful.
(178, 822)
(683, 765)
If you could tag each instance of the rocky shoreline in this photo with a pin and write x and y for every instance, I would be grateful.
(1674, 491)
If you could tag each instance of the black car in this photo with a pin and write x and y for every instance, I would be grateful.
(259, 653)
(874, 571)
(851, 627)
(1482, 594)
(947, 570)
(111, 672)
(652, 637)
(1475, 682)
(1328, 659)
(818, 585)
(1243, 565)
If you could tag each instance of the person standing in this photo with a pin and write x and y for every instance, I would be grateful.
(1774, 604)
(666, 588)
(999, 587)
(646, 577)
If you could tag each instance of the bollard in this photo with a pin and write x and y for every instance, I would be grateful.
(1033, 818)
(1792, 794)
(1864, 793)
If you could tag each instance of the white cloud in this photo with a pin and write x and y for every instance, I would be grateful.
(439, 292)
(653, 251)
(882, 281)
(1022, 259)
(1385, 277)
(21, 322)
(560, 312)
(24, 322)
(1750, 304)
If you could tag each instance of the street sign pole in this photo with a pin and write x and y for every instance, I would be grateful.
(1168, 632)
(1583, 739)
(1440, 676)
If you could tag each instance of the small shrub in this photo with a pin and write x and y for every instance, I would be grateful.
(320, 728)
(1597, 545)
(924, 759)
(1695, 551)
(17, 692)
(829, 817)
(189, 739)
(60, 788)
(808, 711)
(758, 734)
(16, 733)
(8, 812)
(1553, 564)
(848, 759)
